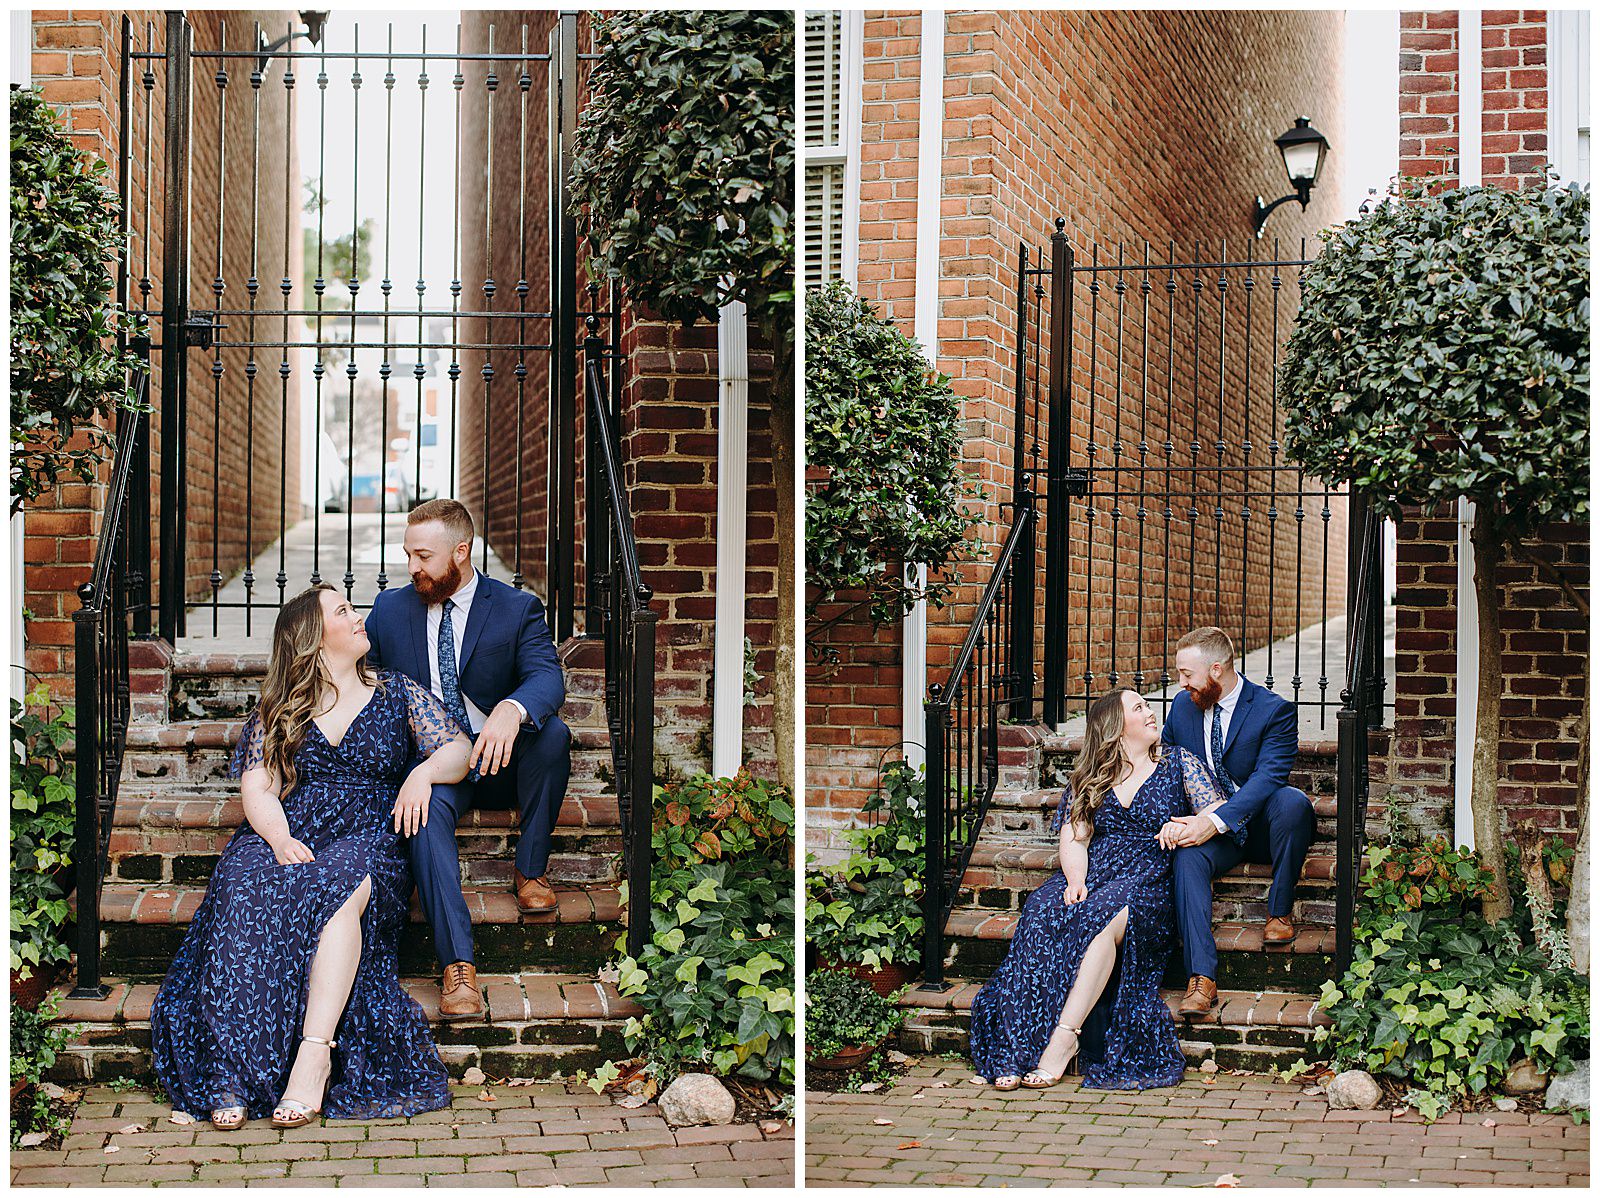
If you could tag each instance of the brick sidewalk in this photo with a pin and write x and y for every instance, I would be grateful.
(549, 1134)
(1262, 1131)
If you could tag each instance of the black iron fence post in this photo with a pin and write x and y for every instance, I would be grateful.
(1023, 593)
(139, 503)
(641, 817)
(596, 528)
(1347, 864)
(1055, 532)
(563, 423)
(935, 713)
(174, 320)
(86, 821)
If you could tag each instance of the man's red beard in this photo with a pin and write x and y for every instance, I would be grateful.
(437, 590)
(1207, 696)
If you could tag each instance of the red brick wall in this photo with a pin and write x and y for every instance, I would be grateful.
(1130, 125)
(76, 60)
(1545, 642)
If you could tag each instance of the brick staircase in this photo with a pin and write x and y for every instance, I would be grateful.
(548, 1011)
(1266, 1010)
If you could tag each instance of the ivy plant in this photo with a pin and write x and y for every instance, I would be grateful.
(1441, 352)
(717, 979)
(886, 491)
(843, 1012)
(67, 379)
(43, 799)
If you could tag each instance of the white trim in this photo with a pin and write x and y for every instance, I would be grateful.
(1469, 133)
(930, 190)
(733, 425)
(1567, 54)
(1471, 143)
(22, 46)
(850, 252)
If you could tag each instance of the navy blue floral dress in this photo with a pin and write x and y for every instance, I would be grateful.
(1015, 1013)
(226, 1024)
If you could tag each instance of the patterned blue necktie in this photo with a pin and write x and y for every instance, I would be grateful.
(1223, 780)
(448, 682)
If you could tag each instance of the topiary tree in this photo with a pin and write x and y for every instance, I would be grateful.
(66, 376)
(883, 441)
(1442, 353)
(683, 185)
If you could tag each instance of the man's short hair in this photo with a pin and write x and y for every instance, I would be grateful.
(450, 512)
(1213, 642)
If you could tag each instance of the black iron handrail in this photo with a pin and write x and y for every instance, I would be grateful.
(116, 606)
(620, 600)
(1362, 709)
(962, 719)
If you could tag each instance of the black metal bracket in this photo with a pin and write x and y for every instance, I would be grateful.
(1077, 481)
(200, 331)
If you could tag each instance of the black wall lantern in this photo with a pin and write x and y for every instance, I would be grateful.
(1303, 150)
(315, 21)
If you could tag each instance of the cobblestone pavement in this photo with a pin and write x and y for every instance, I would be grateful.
(936, 1128)
(548, 1134)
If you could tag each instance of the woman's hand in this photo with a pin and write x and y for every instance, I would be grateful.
(1169, 834)
(1075, 892)
(291, 852)
(411, 805)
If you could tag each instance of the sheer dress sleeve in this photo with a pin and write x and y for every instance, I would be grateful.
(432, 727)
(1198, 785)
(1060, 817)
(251, 751)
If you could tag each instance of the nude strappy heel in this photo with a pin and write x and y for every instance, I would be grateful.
(1035, 1080)
(300, 1113)
(228, 1118)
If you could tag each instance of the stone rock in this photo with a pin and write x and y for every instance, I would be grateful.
(1354, 1090)
(1524, 1077)
(1505, 1104)
(695, 1099)
(1570, 1091)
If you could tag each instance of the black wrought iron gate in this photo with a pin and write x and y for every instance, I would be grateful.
(1147, 442)
(260, 314)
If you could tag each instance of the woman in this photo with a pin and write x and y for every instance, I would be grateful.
(1113, 896)
(285, 995)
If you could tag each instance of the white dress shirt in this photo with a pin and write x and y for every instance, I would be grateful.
(462, 599)
(1221, 710)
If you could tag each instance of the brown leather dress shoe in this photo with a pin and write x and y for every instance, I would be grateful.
(1199, 1000)
(1280, 930)
(460, 997)
(534, 895)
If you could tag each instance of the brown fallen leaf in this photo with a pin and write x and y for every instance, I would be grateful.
(884, 1122)
(770, 1127)
(1490, 1123)
(130, 1129)
(1208, 1066)
(1211, 1143)
(181, 1118)
(485, 1095)
(109, 1148)
(909, 1144)
(1226, 1182)
(632, 1101)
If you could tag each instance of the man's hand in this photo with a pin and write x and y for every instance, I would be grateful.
(1186, 831)
(492, 749)
(411, 804)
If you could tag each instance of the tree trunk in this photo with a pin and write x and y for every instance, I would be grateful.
(1486, 823)
(1530, 841)
(783, 477)
(1578, 899)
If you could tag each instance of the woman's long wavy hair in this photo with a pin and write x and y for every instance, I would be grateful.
(296, 681)
(1102, 761)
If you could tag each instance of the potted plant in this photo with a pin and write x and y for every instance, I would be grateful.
(864, 915)
(36, 1042)
(43, 797)
(846, 1020)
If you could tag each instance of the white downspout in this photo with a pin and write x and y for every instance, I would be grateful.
(733, 425)
(1470, 130)
(930, 189)
(853, 64)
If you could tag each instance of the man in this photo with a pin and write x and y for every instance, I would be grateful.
(485, 650)
(1249, 737)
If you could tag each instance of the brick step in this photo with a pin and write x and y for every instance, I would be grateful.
(142, 926)
(1248, 1029)
(976, 941)
(1000, 877)
(536, 1025)
(1017, 812)
(198, 751)
(174, 833)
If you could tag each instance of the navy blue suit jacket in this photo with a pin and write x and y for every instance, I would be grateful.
(506, 653)
(1258, 752)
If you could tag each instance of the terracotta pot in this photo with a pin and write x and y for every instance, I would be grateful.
(886, 979)
(29, 994)
(845, 1059)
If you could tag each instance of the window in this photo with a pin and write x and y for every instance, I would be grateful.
(832, 53)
